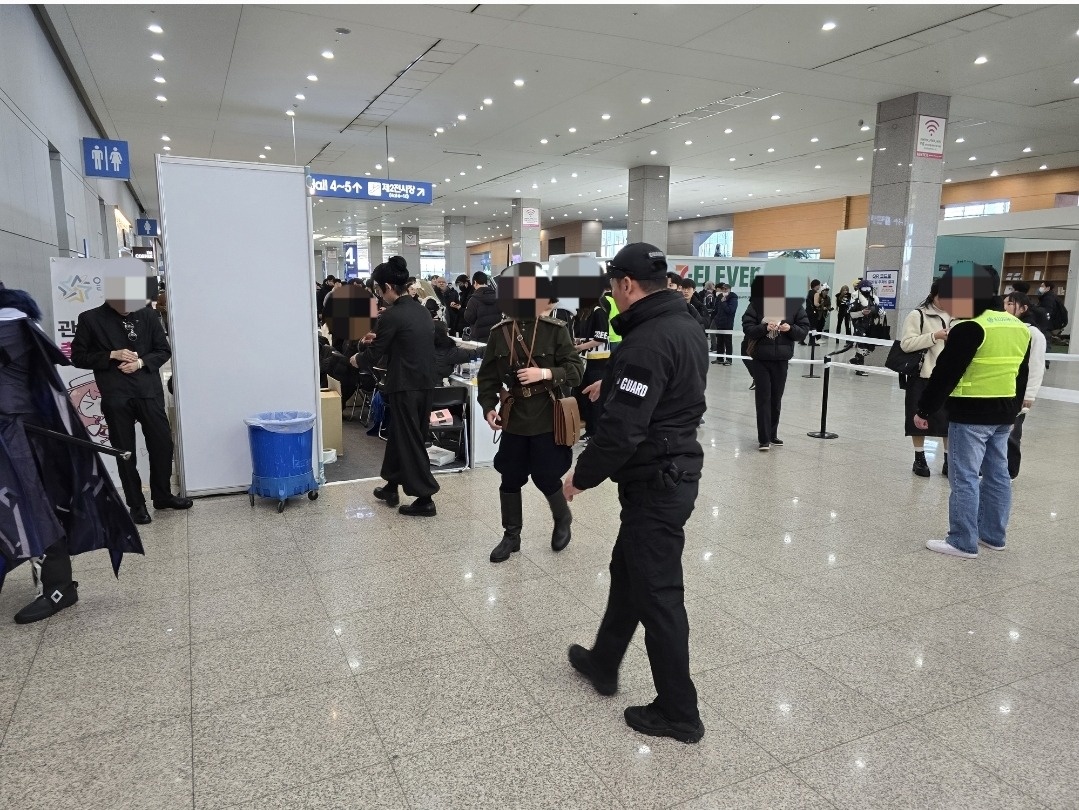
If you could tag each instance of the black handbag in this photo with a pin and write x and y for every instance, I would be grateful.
(907, 364)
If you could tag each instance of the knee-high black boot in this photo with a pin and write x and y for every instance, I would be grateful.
(58, 590)
(512, 521)
(560, 537)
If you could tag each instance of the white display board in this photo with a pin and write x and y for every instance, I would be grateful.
(239, 270)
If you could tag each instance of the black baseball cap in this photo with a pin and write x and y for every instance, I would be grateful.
(640, 261)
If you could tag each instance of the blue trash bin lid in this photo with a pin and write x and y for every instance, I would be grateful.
(282, 421)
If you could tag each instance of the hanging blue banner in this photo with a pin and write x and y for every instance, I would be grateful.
(366, 188)
(103, 158)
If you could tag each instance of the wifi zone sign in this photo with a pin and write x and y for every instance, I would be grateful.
(930, 137)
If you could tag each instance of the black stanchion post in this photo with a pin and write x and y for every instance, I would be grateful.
(812, 357)
(823, 432)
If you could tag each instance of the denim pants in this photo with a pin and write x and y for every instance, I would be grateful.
(978, 509)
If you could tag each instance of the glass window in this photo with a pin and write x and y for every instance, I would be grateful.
(975, 209)
(613, 240)
(719, 244)
(810, 253)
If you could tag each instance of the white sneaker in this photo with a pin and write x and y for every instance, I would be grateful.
(941, 546)
(984, 544)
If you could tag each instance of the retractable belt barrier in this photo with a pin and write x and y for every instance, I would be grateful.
(810, 362)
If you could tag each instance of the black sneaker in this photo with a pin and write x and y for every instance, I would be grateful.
(648, 720)
(920, 469)
(581, 660)
(944, 469)
(777, 442)
(388, 495)
(140, 515)
(763, 447)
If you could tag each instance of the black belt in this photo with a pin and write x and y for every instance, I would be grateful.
(527, 391)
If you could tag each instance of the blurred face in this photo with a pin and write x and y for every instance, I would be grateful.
(440, 283)
(1012, 308)
(959, 301)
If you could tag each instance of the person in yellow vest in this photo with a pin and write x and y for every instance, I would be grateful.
(981, 376)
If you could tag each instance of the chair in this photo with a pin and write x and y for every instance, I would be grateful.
(452, 398)
(368, 383)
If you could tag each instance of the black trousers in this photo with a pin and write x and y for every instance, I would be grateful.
(725, 346)
(1015, 438)
(405, 463)
(647, 588)
(590, 411)
(121, 415)
(842, 319)
(519, 457)
(770, 379)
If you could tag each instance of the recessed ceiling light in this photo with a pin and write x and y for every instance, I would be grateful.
(947, 179)
(775, 117)
(981, 60)
(689, 143)
(728, 131)
(860, 158)
(972, 157)
(543, 140)
(157, 57)
(646, 100)
(391, 159)
(865, 127)
(1026, 149)
(166, 138)
(161, 98)
(574, 174)
(517, 191)
(447, 180)
(300, 97)
(440, 129)
(327, 54)
(778, 191)
(462, 174)
(1043, 167)
(751, 194)
(535, 185)
(268, 148)
(817, 166)
(994, 173)
(814, 140)
(166, 148)
(770, 149)
(462, 117)
(368, 174)
(262, 157)
(653, 152)
(378, 166)
(960, 140)
(573, 129)
(732, 159)
(159, 79)
(312, 78)
(488, 101)
(554, 179)
(154, 28)
(519, 82)
(828, 26)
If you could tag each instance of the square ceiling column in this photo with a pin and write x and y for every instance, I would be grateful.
(649, 201)
(456, 249)
(410, 249)
(525, 223)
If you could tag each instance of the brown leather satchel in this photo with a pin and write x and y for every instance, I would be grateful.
(567, 421)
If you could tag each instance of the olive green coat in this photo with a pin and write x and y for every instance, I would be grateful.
(533, 415)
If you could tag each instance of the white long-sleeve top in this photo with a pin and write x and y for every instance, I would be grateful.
(917, 332)
(1037, 364)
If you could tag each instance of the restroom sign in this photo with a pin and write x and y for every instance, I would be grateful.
(930, 137)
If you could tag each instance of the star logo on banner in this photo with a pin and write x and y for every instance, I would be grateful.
(75, 289)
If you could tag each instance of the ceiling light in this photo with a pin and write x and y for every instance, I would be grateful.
(166, 138)
(543, 140)
(368, 174)
(728, 131)
(268, 148)
(535, 185)
(1042, 168)
(732, 159)
(161, 98)
(1026, 149)
(646, 100)
(981, 60)
(479, 166)
(166, 148)
(519, 82)
(606, 116)
(1075, 80)
(462, 174)
(379, 166)
(488, 101)
(300, 97)
(157, 57)
(440, 129)
(972, 157)
(777, 191)
(751, 194)
(154, 28)
(770, 150)
(994, 173)
(814, 140)
(817, 166)
(262, 157)
(947, 179)
(689, 143)
(775, 117)
(860, 158)
(159, 79)
(574, 174)
(573, 129)
(828, 26)
(554, 179)
(653, 152)
(517, 191)
(327, 54)
(960, 140)
(865, 127)
(312, 78)
(462, 117)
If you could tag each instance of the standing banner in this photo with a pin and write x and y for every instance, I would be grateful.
(79, 285)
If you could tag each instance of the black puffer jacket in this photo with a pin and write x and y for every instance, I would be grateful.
(780, 349)
(482, 313)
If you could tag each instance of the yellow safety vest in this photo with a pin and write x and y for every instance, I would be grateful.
(992, 372)
(612, 336)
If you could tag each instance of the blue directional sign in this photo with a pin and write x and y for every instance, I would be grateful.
(366, 188)
(103, 158)
(352, 255)
(147, 227)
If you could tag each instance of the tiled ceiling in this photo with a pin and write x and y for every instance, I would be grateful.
(402, 71)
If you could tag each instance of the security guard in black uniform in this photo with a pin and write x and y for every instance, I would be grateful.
(646, 441)
(406, 337)
(528, 358)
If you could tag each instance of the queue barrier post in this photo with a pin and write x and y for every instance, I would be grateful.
(812, 357)
(823, 433)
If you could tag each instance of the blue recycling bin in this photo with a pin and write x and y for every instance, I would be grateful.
(281, 467)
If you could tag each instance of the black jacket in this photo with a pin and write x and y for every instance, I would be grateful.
(964, 339)
(101, 331)
(781, 348)
(405, 338)
(449, 354)
(482, 313)
(653, 395)
(725, 309)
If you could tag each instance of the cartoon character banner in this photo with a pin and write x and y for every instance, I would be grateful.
(79, 285)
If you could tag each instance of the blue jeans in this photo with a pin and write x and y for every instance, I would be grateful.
(978, 509)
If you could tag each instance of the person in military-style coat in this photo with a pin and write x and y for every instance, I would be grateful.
(528, 359)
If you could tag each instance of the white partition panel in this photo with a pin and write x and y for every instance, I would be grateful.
(240, 278)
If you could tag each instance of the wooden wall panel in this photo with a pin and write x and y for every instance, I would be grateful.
(858, 211)
(1027, 192)
(808, 225)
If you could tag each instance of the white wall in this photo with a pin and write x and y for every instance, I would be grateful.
(39, 107)
(849, 256)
